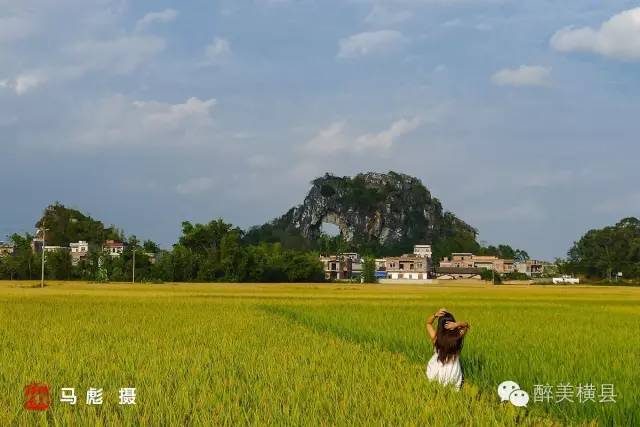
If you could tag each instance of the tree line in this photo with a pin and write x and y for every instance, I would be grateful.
(212, 252)
(606, 252)
(218, 251)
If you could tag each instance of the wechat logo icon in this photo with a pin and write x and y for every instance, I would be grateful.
(510, 391)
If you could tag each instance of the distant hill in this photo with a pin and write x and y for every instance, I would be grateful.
(65, 225)
(375, 212)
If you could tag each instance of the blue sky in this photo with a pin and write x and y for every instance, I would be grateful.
(521, 116)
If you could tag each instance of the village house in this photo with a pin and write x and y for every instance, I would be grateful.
(380, 269)
(334, 267)
(153, 258)
(356, 264)
(6, 249)
(113, 248)
(499, 265)
(342, 267)
(530, 267)
(418, 266)
(408, 267)
(458, 260)
(423, 251)
(79, 251)
(37, 242)
(466, 260)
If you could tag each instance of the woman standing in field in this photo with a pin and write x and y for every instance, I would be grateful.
(444, 365)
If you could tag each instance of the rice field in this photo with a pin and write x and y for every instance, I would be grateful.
(228, 354)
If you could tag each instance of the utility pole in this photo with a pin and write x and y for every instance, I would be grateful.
(44, 231)
(134, 243)
(133, 277)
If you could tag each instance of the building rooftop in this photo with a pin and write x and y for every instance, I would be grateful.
(457, 270)
(405, 256)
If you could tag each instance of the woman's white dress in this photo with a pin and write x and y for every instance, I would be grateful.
(449, 373)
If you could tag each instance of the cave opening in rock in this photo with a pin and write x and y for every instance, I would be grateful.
(330, 229)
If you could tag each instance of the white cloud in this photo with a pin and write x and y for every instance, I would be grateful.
(96, 42)
(525, 75)
(336, 139)
(120, 121)
(218, 50)
(169, 116)
(370, 43)
(24, 83)
(618, 38)
(163, 17)
(385, 139)
(329, 140)
(27, 82)
(120, 56)
(195, 186)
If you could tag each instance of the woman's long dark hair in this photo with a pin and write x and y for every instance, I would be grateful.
(448, 342)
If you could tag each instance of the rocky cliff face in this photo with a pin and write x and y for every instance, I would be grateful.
(386, 209)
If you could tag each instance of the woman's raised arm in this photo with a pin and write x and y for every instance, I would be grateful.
(430, 329)
(462, 327)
